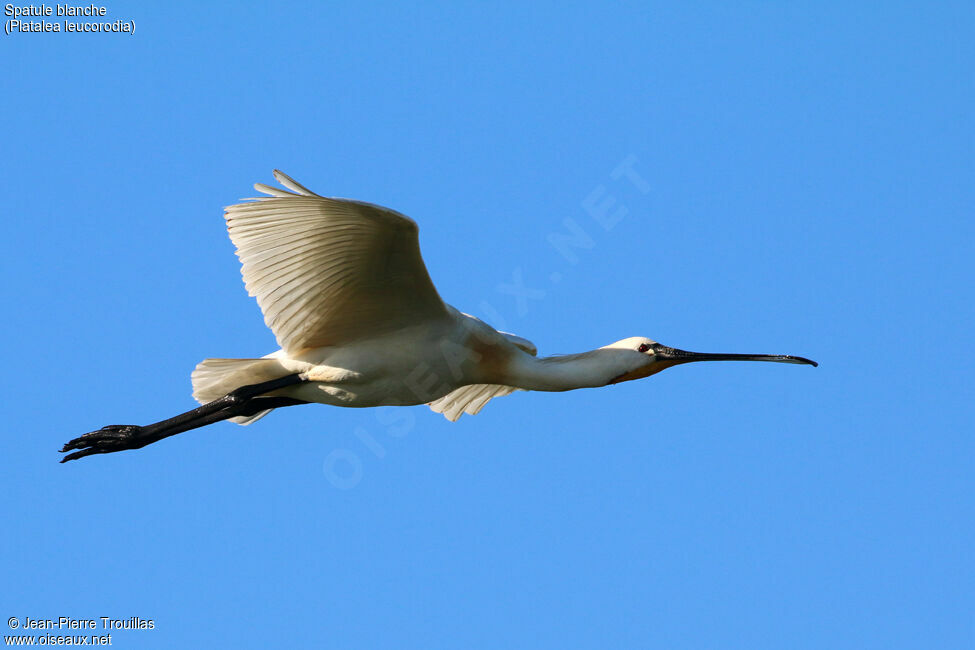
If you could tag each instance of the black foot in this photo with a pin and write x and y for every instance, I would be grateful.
(114, 437)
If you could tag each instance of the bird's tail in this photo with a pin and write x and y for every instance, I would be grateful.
(214, 378)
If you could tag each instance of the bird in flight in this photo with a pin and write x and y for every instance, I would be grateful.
(343, 287)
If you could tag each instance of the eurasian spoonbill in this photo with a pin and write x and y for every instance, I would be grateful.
(343, 287)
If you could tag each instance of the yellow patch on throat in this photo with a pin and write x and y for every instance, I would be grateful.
(644, 371)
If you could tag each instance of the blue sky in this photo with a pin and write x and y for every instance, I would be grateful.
(804, 187)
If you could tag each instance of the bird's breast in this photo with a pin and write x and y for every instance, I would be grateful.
(407, 369)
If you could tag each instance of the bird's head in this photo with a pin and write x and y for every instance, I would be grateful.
(646, 357)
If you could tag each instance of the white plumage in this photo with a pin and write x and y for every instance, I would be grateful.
(343, 287)
(329, 272)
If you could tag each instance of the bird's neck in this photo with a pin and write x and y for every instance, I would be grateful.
(567, 372)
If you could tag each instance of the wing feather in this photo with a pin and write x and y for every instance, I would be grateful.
(326, 271)
(291, 183)
(472, 398)
(469, 399)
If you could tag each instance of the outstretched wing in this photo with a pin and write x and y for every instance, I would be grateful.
(328, 271)
(469, 399)
(472, 398)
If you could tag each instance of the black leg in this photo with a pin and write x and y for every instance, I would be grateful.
(259, 404)
(245, 400)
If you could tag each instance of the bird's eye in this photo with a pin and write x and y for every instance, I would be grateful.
(643, 347)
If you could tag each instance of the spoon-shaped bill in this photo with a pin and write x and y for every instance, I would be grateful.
(664, 353)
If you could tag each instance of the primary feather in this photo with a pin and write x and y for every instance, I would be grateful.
(328, 271)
